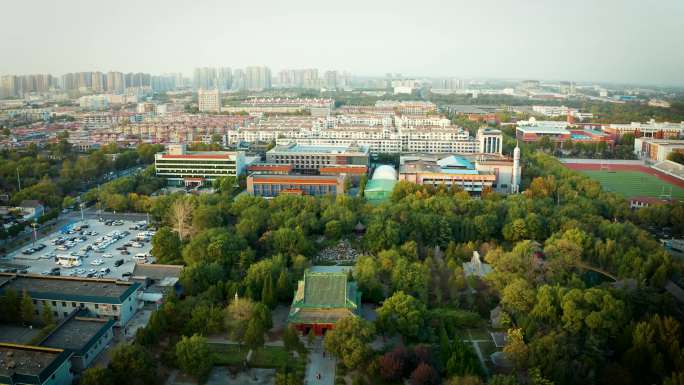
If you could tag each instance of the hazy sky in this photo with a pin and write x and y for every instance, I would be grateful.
(635, 41)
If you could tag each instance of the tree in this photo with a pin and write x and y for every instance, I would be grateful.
(95, 376)
(424, 374)
(291, 340)
(392, 364)
(132, 364)
(283, 286)
(238, 314)
(464, 380)
(180, 216)
(166, 246)
(27, 308)
(518, 296)
(254, 335)
(350, 341)
(267, 295)
(47, 317)
(193, 356)
(516, 350)
(401, 313)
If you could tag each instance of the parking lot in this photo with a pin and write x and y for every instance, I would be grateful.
(98, 245)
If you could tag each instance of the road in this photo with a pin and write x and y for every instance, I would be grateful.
(320, 364)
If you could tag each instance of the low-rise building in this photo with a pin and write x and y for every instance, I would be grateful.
(657, 150)
(474, 174)
(106, 298)
(310, 159)
(22, 364)
(82, 335)
(32, 209)
(182, 167)
(650, 129)
(273, 185)
(379, 188)
(322, 299)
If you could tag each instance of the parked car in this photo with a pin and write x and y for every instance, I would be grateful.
(118, 262)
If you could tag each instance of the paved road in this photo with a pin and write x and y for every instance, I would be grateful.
(319, 364)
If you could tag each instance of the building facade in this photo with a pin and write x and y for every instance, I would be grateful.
(310, 159)
(209, 100)
(323, 298)
(269, 185)
(192, 168)
(104, 298)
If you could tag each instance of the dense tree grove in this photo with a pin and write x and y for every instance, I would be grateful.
(580, 285)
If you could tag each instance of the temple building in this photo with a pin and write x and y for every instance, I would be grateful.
(322, 298)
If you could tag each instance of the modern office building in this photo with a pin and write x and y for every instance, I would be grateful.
(209, 100)
(105, 298)
(311, 159)
(192, 168)
(22, 364)
(83, 335)
(322, 299)
(269, 186)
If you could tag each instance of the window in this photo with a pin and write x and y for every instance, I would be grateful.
(73, 304)
(54, 303)
(66, 314)
(64, 304)
(96, 306)
(55, 313)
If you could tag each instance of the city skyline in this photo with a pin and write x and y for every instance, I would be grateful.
(549, 40)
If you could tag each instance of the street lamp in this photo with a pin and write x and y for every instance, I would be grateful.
(35, 234)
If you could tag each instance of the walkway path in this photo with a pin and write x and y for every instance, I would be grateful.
(320, 364)
(476, 346)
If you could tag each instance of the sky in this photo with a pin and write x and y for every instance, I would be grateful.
(626, 41)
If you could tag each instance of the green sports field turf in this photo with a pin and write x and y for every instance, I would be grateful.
(633, 183)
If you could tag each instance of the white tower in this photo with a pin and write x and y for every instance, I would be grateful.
(516, 170)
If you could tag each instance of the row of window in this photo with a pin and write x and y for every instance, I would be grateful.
(73, 304)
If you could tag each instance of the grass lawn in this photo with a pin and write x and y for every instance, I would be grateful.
(266, 357)
(633, 183)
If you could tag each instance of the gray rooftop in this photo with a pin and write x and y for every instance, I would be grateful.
(18, 360)
(76, 333)
(156, 272)
(69, 289)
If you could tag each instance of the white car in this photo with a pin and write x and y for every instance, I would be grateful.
(137, 244)
(107, 255)
(97, 262)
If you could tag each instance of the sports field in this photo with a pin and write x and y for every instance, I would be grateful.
(633, 183)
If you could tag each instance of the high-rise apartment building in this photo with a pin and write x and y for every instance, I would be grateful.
(115, 82)
(98, 81)
(257, 78)
(238, 83)
(8, 86)
(209, 100)
(224, 78)
(331, 79)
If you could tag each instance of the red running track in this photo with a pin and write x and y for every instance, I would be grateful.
(627, 167)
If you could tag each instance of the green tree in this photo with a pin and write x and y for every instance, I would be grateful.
(95, 376)
(401, 313)
(132, 364)
(254, 335)
(48, 317)
(27, 308)
(267, 295)
(193, 356)
(350, 341)
(291, 340)
(166, 246)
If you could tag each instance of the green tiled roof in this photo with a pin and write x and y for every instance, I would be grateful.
(326, 290)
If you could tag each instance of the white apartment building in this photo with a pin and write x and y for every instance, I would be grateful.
(209, 100)
(650, 129)
(554, 111)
